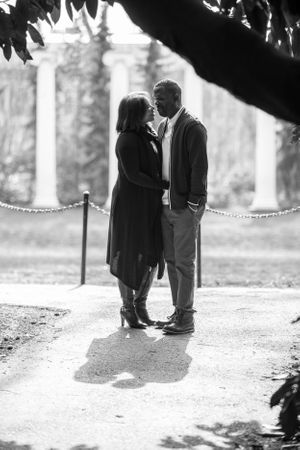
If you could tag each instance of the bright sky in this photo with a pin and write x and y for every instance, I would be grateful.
(122, 27)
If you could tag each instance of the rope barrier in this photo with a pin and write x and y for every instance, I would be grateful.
(97, 208)
(40, 210)
(103, 211)
(254, 216)
(86, 203)
(225, 213)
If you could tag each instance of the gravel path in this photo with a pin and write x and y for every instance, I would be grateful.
(92, 385)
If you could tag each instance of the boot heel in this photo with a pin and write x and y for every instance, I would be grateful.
(129, 316)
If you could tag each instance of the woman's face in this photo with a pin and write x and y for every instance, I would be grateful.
(149, 114)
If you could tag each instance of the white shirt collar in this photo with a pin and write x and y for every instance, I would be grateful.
(172, 121)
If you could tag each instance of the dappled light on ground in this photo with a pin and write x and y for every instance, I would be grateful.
(237, 435)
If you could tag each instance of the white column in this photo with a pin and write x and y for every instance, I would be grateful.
(265, 198)
(119, 87)
(45, 192)
(192, 92)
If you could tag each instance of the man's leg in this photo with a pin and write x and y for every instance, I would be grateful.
(169, 256)
(169, 252)
(185, 232)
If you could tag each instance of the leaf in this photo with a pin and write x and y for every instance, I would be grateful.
(21, 16)
(43, 16)
(35, 35)
(227, 5)
(296, 45)
(55, 15)
(92, 6)
(257, 14)
(287, 387)
(283, 390)
(288, 419)
(278, 23)
(33, 13)
(24, 55)
(7, 51)
(5, 26)
(213, 3)
(258, 19)
(78, 4)
(238, 12)
(296, 139)
(291, 16)
(293, 6)
(69, 9)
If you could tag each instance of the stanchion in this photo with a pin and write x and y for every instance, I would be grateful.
(84, 235)
(199, 275)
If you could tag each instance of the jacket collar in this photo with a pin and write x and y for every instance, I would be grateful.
(163, 125)
(174, 119)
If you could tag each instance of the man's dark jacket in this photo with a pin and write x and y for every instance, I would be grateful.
(188, 161)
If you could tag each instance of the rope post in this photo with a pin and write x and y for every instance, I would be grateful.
(199, 275)
(84, 234)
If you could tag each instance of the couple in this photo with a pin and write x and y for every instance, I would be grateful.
(157, 204)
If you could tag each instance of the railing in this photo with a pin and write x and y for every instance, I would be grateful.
(86, 203)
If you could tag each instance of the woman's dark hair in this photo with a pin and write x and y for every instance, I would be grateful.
(131, 111)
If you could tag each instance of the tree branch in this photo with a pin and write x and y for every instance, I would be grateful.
(86, 23)
(224, 52)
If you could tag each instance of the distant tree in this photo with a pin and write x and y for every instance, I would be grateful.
(153, 69)
(82, 112)
(93, 129)
(150, 66)
(288, 166)
(68, 109)
(17, 134)
(224, 40)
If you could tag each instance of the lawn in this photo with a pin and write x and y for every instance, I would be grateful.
(46, 248)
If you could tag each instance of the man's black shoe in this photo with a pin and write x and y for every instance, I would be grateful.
(171, 319)
(183, 324)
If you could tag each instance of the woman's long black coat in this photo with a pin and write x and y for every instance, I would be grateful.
(134, 237)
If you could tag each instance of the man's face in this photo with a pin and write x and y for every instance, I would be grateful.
(165, 102)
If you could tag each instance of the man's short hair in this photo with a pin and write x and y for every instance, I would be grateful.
(170, 86)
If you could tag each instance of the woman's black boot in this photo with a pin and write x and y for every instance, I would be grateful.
(140, 297)
(127, 311)
(128, 314)
(141, 311)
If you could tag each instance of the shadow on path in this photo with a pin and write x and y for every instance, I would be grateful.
(237, 435)
(136, 358)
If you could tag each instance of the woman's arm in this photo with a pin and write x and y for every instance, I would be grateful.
(128, 153)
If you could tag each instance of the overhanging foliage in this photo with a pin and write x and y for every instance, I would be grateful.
(249, 47)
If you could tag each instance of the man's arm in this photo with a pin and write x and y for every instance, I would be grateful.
(196, 141)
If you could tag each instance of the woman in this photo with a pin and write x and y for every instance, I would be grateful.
(134, 238)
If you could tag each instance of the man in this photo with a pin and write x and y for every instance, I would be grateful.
(183, 139)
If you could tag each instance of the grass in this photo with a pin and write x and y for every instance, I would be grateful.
(46, 248)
